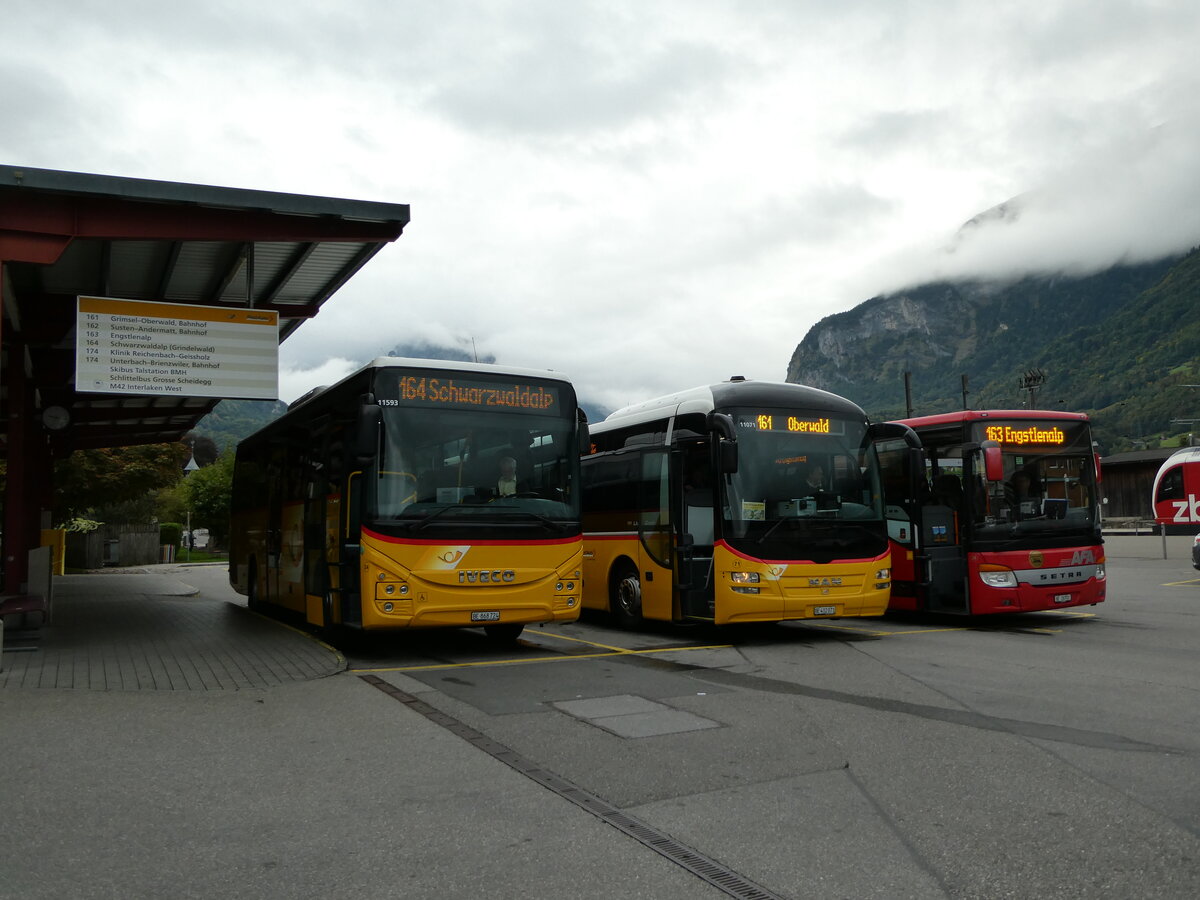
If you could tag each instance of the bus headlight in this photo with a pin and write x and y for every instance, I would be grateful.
(997, 576)
(1100, 573)
(740, 580)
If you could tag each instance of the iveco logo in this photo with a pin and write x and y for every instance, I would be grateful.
(824, 582)
(486, 576)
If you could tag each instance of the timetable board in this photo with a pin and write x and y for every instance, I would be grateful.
(147, 347)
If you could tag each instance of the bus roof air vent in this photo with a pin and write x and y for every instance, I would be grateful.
(737, 377)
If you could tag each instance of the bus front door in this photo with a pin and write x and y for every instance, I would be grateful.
(696, 527)
(940, 564)
(273, 543)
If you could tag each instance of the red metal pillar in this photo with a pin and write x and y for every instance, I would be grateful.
(22, 516)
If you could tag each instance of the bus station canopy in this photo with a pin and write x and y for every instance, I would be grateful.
(65, 234)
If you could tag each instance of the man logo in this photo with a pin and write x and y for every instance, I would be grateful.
(824, 582)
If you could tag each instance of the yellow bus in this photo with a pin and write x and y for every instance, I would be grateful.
(742, 501)
(412, 494)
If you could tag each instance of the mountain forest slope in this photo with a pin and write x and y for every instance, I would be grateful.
(1121, 345)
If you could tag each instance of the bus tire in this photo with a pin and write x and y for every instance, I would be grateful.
(252, 599)
(327, 612)
(626, 599)
(503, 634)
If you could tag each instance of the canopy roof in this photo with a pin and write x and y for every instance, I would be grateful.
(65, 234)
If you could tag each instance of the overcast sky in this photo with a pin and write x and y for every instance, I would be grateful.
(646, 195)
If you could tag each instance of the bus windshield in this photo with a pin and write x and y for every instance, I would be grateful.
(458, 452)
(457, 466)
(807, 486)
(1049, 484)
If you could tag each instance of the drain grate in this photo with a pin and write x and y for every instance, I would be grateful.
(711, 871)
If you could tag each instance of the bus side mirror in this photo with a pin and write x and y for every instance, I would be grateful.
(916, 464)
(993, 461)
(729, 456)
(583, 434)
(366, 439)
(722, 424)
(893, 431)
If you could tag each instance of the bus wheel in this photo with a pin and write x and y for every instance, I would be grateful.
(627, 598)
(252, 600)
(327, 612)
(503, 634)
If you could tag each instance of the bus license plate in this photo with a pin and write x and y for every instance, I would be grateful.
(492, 615)
(824, 610)
(1062, 598)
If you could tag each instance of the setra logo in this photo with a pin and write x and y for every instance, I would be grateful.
(1036, 559)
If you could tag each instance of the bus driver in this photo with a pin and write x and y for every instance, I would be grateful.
(506, 486)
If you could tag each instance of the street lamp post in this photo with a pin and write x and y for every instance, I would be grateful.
(187, 535)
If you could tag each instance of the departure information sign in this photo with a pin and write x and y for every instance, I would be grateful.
(141, 347)
(451, 392)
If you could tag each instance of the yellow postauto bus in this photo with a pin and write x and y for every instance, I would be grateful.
(415, 493)
(737, 502)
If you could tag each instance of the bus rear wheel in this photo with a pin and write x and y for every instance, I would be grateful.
(626, 602)
(252, 599)
(503, 634)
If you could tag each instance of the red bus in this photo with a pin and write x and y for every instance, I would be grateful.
(1001, 515)
(1177, 489)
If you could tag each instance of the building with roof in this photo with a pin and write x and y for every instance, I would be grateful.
(64, 235)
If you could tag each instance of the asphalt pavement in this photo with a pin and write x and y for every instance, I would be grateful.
(159, 740)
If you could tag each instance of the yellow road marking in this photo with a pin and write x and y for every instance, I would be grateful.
(878, 633)
(1180, 583)
(538, 659)
(610, 650)
(564, 637)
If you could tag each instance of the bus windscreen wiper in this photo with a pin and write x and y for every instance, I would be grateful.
(421, 523)
(545, 520)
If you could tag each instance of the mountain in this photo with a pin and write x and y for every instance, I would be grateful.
(425, 350)
(1120, 345)
(232, 420)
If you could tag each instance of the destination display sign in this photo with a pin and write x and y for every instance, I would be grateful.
(144, 347)
(1036, 436)
(476, 394)
(1020, 436)
(791, 423)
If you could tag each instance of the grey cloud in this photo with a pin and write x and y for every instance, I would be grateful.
(567, 85)
(888, 130)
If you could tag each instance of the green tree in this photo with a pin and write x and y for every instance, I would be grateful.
(206, 493)
(90, 479)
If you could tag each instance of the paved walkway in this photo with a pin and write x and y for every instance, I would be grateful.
(137, 631)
